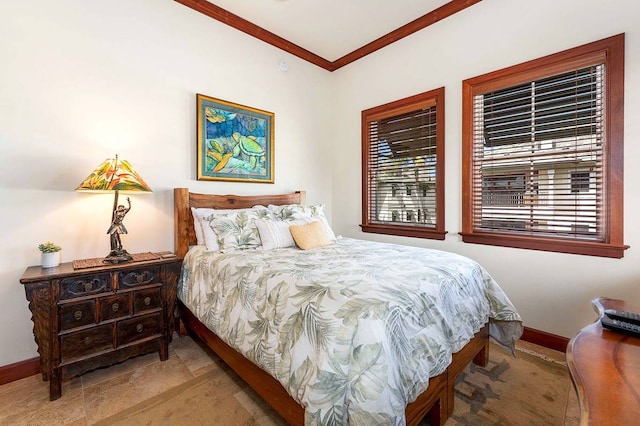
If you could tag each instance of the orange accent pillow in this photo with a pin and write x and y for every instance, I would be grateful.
(309, 236)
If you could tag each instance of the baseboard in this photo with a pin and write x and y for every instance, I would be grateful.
(29, 367)
(19, 370)
(542, 338)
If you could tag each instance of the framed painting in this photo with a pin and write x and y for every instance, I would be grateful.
(235, 142)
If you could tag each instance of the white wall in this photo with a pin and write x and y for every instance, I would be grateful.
(83, 80)
(552, 291)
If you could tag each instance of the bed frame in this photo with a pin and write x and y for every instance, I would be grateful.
(436, 402)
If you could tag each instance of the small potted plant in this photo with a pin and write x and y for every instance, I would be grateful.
(50, 254)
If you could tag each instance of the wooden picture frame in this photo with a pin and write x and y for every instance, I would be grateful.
(235, 142)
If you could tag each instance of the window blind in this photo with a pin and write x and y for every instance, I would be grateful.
(402, 168)
(539, 157)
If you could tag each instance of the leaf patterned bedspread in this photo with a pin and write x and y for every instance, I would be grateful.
(354, 330)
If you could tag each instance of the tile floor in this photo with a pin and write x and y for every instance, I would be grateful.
(99, 394)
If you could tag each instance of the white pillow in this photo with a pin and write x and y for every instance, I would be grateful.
(201, 225)
(275, 234)
(197, 227)
(300, 211)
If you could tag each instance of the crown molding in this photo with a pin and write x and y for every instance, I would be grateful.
(241, 24)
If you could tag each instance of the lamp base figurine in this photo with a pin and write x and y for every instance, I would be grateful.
(118, 256)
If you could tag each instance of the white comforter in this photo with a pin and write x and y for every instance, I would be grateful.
(354, 330)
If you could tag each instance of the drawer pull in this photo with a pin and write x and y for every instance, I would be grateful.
(139, 328)
(77, 315)
(87, 340)
(88, 286)
(115, 307)
(147, 301)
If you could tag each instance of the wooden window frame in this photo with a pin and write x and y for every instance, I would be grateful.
(408, 104)
(609, 51)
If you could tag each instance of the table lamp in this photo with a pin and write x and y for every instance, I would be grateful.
(115, 175)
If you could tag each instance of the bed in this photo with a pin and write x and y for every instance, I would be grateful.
(298, 388)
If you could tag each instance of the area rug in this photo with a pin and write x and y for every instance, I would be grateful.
(525, 390)
(529, 389)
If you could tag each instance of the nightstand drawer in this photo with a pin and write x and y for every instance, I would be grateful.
(138, 328)
(114, 307)
(144, 300)
(77, 314)
(137, 278)
(84, 285)
(87, 342)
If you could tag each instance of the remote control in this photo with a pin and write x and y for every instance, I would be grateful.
(620, 326)
(625, 316)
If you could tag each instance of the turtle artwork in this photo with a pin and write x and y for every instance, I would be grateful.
(250, 147)
(234, 142)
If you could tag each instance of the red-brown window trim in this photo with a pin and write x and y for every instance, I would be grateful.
(436, 97)
(611, 52)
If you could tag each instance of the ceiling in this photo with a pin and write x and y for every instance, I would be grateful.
(329, 33)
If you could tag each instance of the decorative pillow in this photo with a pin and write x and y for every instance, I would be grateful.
(275, 234)
(237, 230)
(310, 236)
(301, 211)
(209, 237)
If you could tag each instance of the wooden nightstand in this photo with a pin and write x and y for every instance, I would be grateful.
(605, 370)
(94, 317)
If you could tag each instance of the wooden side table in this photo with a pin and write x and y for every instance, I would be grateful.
(605, 368)
(94, 317)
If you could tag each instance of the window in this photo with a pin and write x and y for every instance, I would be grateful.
(403, 147)
(543, 153)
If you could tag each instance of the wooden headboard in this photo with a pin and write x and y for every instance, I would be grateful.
(183, 200)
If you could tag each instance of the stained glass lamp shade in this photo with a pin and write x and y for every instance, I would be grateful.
(115, 175)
